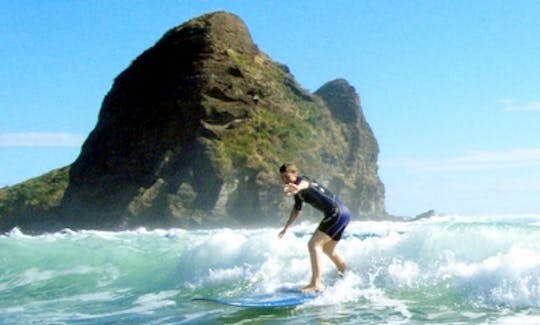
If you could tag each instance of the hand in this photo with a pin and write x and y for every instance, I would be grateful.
(290, 189)
(282, 233)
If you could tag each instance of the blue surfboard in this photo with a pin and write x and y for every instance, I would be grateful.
(280, 298)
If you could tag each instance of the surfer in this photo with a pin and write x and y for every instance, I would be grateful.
(330, 230)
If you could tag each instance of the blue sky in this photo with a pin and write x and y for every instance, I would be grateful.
(450, 88)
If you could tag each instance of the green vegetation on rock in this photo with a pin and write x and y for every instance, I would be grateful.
(191, 135)
(35, 196)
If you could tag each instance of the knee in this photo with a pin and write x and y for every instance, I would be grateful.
(328, 250)
(313, 246)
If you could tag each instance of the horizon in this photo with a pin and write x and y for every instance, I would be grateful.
(449, 88)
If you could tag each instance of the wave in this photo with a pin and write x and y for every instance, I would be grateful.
(459, 263)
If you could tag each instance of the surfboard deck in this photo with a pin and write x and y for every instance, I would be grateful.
(280, 298)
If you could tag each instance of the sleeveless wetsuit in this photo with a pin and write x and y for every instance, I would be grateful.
(336, 214)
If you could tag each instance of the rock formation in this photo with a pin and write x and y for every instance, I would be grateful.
(191, 135)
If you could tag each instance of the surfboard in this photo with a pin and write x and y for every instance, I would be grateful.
(280, 298)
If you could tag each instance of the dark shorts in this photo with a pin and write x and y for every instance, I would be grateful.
(334, 225)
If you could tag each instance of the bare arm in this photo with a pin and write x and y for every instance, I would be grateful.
(291, 189)
(292, 218)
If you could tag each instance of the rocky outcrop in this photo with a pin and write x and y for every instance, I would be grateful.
(360, 160)
(191, 134)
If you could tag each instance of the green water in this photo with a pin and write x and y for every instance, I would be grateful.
(451, 270)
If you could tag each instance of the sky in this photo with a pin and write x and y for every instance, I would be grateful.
(449, 88)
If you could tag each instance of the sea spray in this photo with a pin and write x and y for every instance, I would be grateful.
(441, 270)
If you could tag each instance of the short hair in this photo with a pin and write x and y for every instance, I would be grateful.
(288, 168)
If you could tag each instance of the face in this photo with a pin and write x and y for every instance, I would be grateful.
(289, 177)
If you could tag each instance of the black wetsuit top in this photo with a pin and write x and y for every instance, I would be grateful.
(336, 214)
(316, 195)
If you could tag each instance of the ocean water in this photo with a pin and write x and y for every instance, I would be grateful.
(445, 270)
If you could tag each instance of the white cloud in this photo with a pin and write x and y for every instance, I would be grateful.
(472, 160)
(40, 139)
(509, 106)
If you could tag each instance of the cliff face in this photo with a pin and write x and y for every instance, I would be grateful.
(366, 195)
(192, 134)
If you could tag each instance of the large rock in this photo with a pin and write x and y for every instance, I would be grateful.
(192, 134)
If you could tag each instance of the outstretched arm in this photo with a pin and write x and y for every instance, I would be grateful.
(292, 217)
(291, 189)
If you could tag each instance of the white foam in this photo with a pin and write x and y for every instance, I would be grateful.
(345, 289)
(469, 261)
(16, 233)
(519, 320)
(152, 301)
(404, 273)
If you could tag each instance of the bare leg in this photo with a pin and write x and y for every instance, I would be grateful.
(330, 250)
(315, 245)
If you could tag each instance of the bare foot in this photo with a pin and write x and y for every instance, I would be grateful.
(310, 288)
